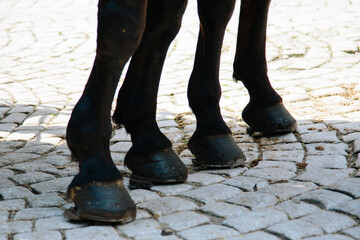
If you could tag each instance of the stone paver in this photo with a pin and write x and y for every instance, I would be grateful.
(295, 229)
(305, 184)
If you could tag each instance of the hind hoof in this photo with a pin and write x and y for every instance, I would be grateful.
(216, 152)
(159, 167)
(270, 120)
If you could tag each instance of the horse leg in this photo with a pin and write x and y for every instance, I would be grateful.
(212, 143)
(265, 112)
(151, 158)
(97, 190)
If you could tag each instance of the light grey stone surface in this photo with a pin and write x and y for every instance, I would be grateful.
(285, 191)
(351, 207)
(256, 220)
(208, 232)
(54, 235)
(248, 184)
(254, 236)
(183, 220)
(349, 186)
(295, 229)
(330, 237)
(353, 232)
(146, 226)
(296, 209)
(212, 192)
(254, 200)
(36, 213)
(313, 63)
(222, 209)
(93, 232)
(330, 222)
(167, 205)
(323, 176)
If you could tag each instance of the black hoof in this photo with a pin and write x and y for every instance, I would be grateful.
(270, 120)
(159, 167)
(101, 202)
(216, 152)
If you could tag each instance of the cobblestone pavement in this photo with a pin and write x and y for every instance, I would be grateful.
(306, 185)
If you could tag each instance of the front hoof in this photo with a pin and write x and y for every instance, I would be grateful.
(216, 152)
(101, 202)
(270, 120)
(159, 167)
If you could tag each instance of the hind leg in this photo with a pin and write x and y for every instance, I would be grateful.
(212, 143)
(97, 190)
(151, 158)
(265, 112)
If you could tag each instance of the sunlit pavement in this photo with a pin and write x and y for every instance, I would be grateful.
(306, 185)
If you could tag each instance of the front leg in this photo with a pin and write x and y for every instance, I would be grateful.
(212, 143)
(97, 190)
(151, 158)
(265, 112)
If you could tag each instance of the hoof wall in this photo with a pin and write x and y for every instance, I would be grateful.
(159, 167)
(101, 202)
(216, 152)
(269, 121)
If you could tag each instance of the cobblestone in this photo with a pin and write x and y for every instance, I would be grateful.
(256, 220)
(93, 232)
(254, 236)
(330, 237)
(254, 200)
(212, 232)
(183, 220)
(285, 191)
(212, 192)
(353, 232)
(167, 205)
(295, 209)
(222, 209)
(330, 222)
(311, 176)
(295, 229)
(324, 198)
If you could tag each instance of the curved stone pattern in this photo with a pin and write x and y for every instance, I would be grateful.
(305, 185)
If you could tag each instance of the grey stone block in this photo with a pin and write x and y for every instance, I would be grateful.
(206, 232)
(351, 207)
(222, 209)
(93, 232)
(296, 229)
(254, 200)
(167, 205)
(248, 184)
(296, 209)
(212, 192)
(324, 176)
(330, 222)
(183, 220)
(324, 198)
(46, 235)
(256, 220)
(285, 191)
(148, 227)
(349, 186)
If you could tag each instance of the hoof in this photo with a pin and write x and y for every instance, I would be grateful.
(101, 202)
(216, 152)
(269, 121)
(159, 167)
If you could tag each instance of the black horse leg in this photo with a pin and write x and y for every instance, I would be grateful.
(151, 158)
(97, 190)
(212, 143)
(265, 112)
